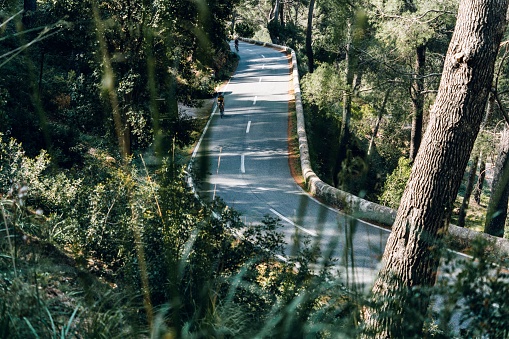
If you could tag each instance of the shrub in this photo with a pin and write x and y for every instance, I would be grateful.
(245, 29)
(395, 184)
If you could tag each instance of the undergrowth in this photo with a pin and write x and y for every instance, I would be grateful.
(136, 255)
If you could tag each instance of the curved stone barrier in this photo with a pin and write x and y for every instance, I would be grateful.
(358, 207)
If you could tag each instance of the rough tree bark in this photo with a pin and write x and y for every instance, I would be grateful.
(411, 256)
(497, 207)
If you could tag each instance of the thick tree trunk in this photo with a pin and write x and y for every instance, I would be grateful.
(468, 192)
(497, 207)
(416, 93)
(309, 36)
(411, 256)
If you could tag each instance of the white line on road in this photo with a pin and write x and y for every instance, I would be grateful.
(263, 56)
(263, 66)
(242, 167)
(248, 126)
(260, 80)
(312, 233)
(254, 100)
(217, 171)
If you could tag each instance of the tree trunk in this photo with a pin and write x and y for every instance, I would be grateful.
(381, 112)
(497, 207)
(411, 256)
(417, 96)
(234, 19)
(282, 14)
(275, 11)
(347, 95)
(347, 103)
(482, 167)
(468, 191)
(29, 7)
(309, 35)
(480, 180)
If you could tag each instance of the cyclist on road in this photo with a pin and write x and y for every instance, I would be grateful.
(220, 103)
(237, 44)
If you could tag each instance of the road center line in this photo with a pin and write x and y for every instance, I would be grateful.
(248, 126)
(254, 101)
(282, 217)
(263, 56)
(260, 80)
(242, 167)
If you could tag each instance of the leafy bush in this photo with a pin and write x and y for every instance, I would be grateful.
(395, 184)
(245, 29)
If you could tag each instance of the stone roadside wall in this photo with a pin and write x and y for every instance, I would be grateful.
(355, 206)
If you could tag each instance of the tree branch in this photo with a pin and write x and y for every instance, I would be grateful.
(499, 103)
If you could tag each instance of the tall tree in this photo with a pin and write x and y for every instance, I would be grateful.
(480, 179)
(409, 27)
(417, 96)
(355, 31)
(497, 207)
(381, 112)
(482, 153)
(309, 37)
(411, 256)
(468, 191)
(29, 7)
(496, 213)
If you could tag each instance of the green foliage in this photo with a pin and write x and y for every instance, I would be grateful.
(245, 29)
(354, 169)
(406, 25)
(208, 274)
(323, 88)
(473, 291)
(322, 128)
(289, 34)
(51, 94)
(395, 184)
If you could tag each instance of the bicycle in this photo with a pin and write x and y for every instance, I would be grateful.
(221, 108)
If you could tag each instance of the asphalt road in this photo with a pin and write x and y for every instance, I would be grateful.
(244, 156)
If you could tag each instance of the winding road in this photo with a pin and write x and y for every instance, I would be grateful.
(244, 160)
